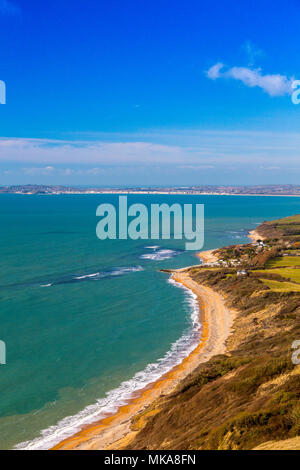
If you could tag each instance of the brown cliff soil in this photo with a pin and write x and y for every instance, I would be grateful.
(245, 397)
(245, 393)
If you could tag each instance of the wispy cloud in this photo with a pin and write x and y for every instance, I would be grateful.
(215, 71)
(252, 52)
(39, 170)
(50, 170)
(48, 152)
(273, 84)
(271, 168)
(196, 167)
(195, 149)
(7, 7)
(174, 157)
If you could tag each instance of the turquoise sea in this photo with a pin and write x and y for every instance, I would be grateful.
(86, 322)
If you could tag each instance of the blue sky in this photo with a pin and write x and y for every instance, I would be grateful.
(150, 93)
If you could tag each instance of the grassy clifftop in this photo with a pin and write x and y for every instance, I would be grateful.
(286, 229)
(250, 395)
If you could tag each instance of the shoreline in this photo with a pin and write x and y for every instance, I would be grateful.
(254, 236)
(208, 256)
(115, 430)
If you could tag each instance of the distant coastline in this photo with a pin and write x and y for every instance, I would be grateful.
(205, 190)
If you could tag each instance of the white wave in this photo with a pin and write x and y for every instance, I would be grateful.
(87, 275)
(160, 255)
(120, 396)
(114, 272)
(120, 271)
(192, 302)
(154, 247)
(97, 276)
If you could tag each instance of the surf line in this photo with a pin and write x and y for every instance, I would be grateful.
(98, 435)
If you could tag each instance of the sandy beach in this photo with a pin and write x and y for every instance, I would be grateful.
(207, 256)
(114, 432)
(254, 236)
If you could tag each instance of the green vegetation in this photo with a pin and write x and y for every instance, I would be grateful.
(293, 252)
(293, 219)
(281, 286)
(287, 273)
(218, 368)
(283, 261)
(287, 229)
(251, 394)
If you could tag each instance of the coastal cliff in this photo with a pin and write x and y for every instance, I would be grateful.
(240, 389)
(248, 397)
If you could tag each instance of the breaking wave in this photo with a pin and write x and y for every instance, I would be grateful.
(159, 254)
(117, 397)
(94, 276)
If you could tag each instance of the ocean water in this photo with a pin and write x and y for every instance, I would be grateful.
(86, 322)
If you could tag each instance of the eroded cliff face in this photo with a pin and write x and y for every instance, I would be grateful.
(250, 395)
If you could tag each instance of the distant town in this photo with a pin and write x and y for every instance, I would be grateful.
(263, 190)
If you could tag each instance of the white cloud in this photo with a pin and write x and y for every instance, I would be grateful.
(273, 84)
(47, 152)
(194, 149)
(271, 168)
(215, 71)
(49, 170)
(196, 167)
(39, 170)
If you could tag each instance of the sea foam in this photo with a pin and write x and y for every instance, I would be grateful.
(95, 276)
(117, 397)
(159, 255)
